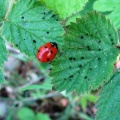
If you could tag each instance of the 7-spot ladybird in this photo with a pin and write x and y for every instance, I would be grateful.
(47, 52)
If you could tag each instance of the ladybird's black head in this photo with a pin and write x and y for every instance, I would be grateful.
(54, 44)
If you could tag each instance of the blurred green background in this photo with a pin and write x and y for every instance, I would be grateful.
(28, 94)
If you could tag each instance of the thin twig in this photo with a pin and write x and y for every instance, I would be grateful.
(49, 95)
(42, 97)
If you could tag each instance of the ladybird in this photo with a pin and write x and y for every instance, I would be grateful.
(47, 52)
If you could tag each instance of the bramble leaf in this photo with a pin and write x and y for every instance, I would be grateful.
(110, 5)
(109, 102)
(3, 57)
(87, 8)
(29, 25)
(65, 8)
(88, 55)
(2, 10)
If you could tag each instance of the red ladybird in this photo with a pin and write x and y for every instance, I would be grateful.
(47, 52)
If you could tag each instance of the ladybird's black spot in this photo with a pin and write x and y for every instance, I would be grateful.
(70, 58)
(90, 68)
(48, 59)
(80, 66)
(82, 57)
(74, 58)
(85, 77)
(70, 67)
(86, 34)
(34, 41)
(98, 58)
(81, 37)
(99, 49)
(22, 17)
(16, 45)
(51, 51)
(99, 41)
(45, 46)
(43, 18)
(47, 32)
(38, 50)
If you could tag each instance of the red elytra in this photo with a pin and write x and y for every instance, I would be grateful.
(47, 52)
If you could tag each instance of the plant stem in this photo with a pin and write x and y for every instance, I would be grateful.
(71, 100)
(49, 95)
(30, 83)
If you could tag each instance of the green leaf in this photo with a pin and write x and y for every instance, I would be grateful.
(83, 102)
(85, 116)
(42, 116)
(25, 114)
(2, 10)
(110, 5)
(92, 98)
(46, 86)
(108, 104)
(3, 57)
(35, 87)
(65, 8)
(88, 56)
(1, 76)
(118, 45)
(4, 4)
(85, 98)
(119, 33)
(87, 8)
(29, 25)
